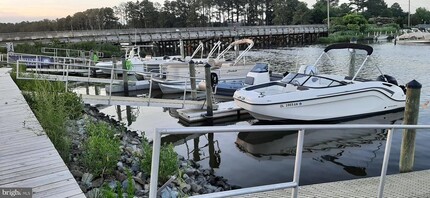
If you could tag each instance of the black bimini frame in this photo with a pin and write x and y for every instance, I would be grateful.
(367, 48)
(350, 46)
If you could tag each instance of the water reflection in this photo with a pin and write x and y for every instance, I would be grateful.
(131, 113)
(279, 145)
(353, 170)
(197, 153)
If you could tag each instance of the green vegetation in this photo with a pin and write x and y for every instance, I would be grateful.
(200, 13)
(101, 149)
(107, 192)
(168, 161)
(119, 189)
(108, 49)
(53, 107)
(355, 26)
(130, 186)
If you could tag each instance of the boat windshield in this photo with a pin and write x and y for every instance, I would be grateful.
(260, 68)
(311, 81)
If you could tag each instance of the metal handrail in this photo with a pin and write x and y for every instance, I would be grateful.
(271, 128)
(112, 69)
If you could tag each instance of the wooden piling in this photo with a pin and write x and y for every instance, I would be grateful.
(125, 76)
(407, 150)
(209, 102)
(192, 67)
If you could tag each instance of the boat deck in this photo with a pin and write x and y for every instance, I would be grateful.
(413, 184)
(28, 159)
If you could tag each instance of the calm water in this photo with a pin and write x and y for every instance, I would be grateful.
(265, 158)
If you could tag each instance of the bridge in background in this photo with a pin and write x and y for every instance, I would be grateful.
(161, 34)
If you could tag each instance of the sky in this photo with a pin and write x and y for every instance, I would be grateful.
(32, 10)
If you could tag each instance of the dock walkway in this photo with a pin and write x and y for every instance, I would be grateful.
(27, 156)
(413, 184)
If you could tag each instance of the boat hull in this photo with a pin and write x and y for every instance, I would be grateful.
(337, 105)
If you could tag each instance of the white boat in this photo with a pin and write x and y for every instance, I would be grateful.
(414, 35)
(175, 74)
(138, 63)
(308, 95)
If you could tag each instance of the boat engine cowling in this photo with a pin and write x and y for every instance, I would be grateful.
(387, 78)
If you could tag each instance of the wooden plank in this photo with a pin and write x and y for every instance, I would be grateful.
(42, 180)
(28, 154)
(16, 166)
(16, 149)
(24, 158)
(21, 141)
(32, 174)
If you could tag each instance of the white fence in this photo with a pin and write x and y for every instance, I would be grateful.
(271, 128)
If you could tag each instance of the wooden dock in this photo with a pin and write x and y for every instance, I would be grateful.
(27, 156)
(142, 101)
(413, 184)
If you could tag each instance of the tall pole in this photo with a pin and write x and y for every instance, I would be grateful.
(328, 15)
(409, 14)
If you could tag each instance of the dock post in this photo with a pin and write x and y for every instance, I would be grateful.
(209, 102)
(192, 67)
(407, 150)
(124, 76)
(351, 69)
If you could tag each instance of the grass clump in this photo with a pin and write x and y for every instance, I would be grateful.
(168, 161)
(53, 107)
(102, 150)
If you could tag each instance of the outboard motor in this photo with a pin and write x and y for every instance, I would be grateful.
(388, 79)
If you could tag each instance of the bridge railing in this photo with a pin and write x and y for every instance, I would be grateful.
(155, 34)
(271, 128)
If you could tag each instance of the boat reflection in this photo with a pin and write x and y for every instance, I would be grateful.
(353, 170)
(269, 145)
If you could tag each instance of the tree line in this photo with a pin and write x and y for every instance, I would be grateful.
(201, 13)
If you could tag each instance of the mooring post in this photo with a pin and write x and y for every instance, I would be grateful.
(407, 150)
(351, 70)
(124, 76)
(209, 102)
(193, 79)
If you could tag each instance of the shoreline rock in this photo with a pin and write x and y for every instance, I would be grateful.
(193, 181)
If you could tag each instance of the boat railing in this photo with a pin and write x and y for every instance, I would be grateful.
(271, 128)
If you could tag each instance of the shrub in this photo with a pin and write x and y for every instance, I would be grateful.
(102, 150)
(53, 108)
(130, 186)
(168, 161)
